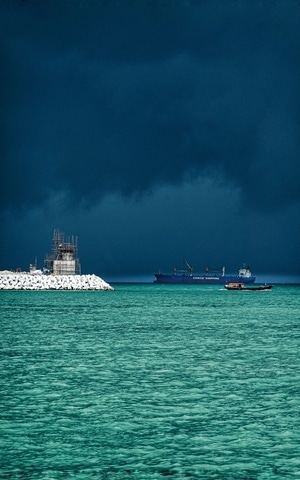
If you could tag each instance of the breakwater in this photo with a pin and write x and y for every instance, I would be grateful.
(27, 281)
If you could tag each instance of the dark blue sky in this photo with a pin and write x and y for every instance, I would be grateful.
(154, 131)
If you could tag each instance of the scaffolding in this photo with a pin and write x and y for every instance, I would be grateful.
(63, 259)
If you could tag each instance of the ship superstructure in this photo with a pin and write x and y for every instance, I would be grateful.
(63, 259)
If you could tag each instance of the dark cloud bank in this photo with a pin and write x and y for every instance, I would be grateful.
(125, 105)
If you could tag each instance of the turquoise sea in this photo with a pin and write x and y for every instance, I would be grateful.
(150, 382)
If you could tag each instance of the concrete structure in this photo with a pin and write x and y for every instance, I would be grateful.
(64, 257)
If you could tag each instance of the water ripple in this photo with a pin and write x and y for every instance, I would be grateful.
(149, 382)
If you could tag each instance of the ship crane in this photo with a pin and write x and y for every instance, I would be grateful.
(189, 267)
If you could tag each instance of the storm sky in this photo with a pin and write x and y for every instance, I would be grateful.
(154, 131)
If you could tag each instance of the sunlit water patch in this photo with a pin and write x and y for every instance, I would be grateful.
(150, 382)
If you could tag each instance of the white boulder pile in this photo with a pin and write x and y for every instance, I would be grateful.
(27, 281)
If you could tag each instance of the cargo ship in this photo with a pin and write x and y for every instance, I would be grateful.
(215, 277)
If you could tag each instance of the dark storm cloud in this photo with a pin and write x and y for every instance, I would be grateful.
(99, 99)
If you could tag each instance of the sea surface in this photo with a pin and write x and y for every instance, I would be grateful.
(150, 382)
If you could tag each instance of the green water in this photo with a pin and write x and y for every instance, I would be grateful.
(150, 382)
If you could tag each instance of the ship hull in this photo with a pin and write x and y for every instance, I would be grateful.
(201, 279)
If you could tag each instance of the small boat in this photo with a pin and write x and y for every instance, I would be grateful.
(241, 286)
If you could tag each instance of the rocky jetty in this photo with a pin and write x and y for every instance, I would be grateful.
(27, 281)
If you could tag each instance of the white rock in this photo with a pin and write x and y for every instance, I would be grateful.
(26, 281)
